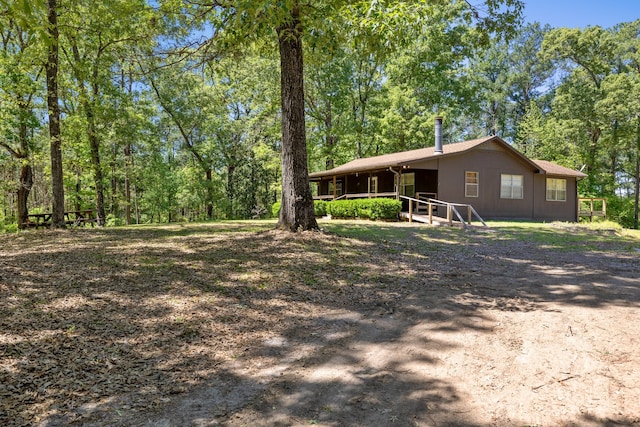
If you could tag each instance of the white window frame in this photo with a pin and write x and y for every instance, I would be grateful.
(511, 186)
(471, 189)
(556, 190)
(372, 185)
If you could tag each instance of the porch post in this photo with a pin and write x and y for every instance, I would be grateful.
(410, 210)
(334, 186)
(344, 187)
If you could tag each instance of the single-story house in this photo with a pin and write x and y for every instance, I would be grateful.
(486, 173)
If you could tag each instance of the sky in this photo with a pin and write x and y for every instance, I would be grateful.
(581, 13)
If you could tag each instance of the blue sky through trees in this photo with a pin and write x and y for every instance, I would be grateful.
(581, 13)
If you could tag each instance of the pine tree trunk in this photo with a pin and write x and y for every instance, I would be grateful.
(296, 213)
(26, 182)
(94, 143)
(57, 183)
(209, 193)
(127, 182)
(26, 171)
(636, 207)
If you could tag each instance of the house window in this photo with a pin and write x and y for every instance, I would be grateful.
(471, 184)
(408, 184)
(338, 188)
(511, 186)
(556, 189)
(373, 184)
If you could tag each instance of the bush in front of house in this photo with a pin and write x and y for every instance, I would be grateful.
(342, 209)
(319, 208)
(385, 208)
(365, 208)
(355, 208)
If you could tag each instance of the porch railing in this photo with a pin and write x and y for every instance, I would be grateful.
(592, 206)
(451, 210)
(357, 196)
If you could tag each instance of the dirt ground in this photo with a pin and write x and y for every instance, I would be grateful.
(369, 325)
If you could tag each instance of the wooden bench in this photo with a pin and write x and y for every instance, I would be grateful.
(74, 218)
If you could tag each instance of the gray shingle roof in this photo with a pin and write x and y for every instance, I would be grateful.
(551, 168)
(399, 159)
(408, 157)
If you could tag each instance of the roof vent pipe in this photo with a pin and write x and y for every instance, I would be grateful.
(438, 149)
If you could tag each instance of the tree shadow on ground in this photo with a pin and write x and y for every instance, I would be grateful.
(114, 327)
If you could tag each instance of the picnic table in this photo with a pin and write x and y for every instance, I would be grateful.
(76, 218)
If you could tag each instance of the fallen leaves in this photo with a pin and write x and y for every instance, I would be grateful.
(139, 315)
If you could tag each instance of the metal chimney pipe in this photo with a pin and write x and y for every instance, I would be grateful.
(438, 149)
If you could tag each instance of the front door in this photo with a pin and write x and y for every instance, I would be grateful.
(407, 188)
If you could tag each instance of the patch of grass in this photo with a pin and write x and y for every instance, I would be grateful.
(568, 236)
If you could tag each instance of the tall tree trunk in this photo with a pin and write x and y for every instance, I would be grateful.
(26, 182)
(57, 183)
(209, 194)
(127, 182)
(330, 139)
(114, 209)
(231, 191)
(92, 133)
(94, 143)
(26, 172)
(78, 198)
(637, 195)
(296, 211)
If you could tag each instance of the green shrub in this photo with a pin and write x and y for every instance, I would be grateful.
(385, 208)
(320, 207)
(8, 228)
(620, 210)
(342, 209)
(356, 208)
(365, 208)
(114, 221)
(275, 209)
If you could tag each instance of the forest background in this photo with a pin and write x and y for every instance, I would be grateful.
(169, 113)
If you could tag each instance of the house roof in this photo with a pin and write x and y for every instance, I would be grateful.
(406, 158)
(399, 159)
(551, 168)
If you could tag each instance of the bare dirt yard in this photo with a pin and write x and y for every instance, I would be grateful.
(367, 324)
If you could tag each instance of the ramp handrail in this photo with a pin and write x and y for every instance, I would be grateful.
(451, 209)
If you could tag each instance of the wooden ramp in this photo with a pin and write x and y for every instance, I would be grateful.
(454, 217)
(435, 220)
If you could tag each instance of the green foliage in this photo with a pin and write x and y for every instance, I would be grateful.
(342, 209)
(8, 228)
(320, 207)
(621, 210)
(275, 209)
(379, 208)
(208, 138)
(113, 221)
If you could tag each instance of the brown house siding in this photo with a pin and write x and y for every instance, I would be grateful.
(490, 164)
(556, 210)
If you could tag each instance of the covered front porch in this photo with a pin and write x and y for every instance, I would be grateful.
(416, 188)
(420, 184)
